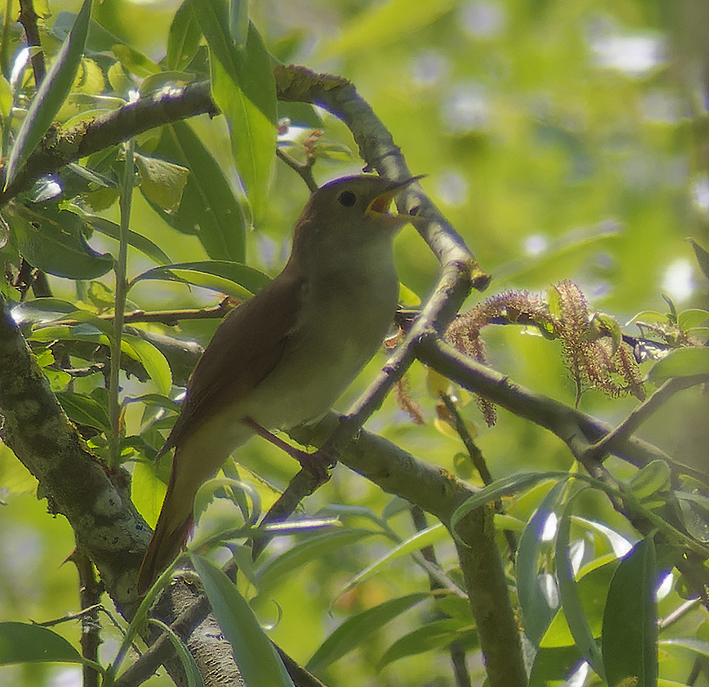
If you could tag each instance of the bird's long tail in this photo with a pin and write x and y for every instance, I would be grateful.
(171, 532)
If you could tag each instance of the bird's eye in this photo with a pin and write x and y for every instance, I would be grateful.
(347, 198)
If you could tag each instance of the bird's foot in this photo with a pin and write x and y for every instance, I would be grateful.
(318, 464)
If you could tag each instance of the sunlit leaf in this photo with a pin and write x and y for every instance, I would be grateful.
(85, 410)
(569, 593)
(162, 182)
(279, 568)
(50, 95)
(537, 592)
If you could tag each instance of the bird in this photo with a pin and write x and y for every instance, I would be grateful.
(283, 357)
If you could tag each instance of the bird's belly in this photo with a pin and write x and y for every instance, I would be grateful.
(322, 359)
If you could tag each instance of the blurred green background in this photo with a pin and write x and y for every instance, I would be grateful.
(562, 139)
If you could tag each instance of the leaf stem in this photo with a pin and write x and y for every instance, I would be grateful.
(114, 408)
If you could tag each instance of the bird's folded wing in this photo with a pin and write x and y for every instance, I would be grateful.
(244, 350)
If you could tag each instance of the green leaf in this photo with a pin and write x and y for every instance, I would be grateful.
(591, 590)
(231, 278)
(50, 95)
(310, 549)
(147, 491)
(653, 478)
(702, 257)
(239, 21)
(209, 206)
(502, 487)
(569, 593)
(697, 646)
(194, 677)
(259, 664)
(41, 310)
(138, 241)
(161, 181)
(630, 617)
(688, 319)
(357, 628)
(24, 643)
(5, 97)
(152, 360)
(52, 241)
(183, 38)
(554, 665)
(534, 590)
(84, 410)
(415, 543)
(682, 362)
(438, 634)
(244, 89)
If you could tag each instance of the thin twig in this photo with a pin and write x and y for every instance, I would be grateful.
(28, 18)
(304, 169)
(639, 415)
(90, 590)
(167, 317)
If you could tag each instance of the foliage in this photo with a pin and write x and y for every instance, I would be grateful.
(558, 158)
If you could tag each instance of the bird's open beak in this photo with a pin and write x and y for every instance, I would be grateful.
(381, 205)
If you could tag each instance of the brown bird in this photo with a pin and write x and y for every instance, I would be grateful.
(283, 357)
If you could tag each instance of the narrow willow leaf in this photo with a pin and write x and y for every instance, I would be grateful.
(25, 643)
(41, 310)
(308, 550)
(438, 634)
(194, 677)
(357, 629)
(259, 664)
(138, 241)
(209, 207)
(51, 94)
(702, 257)
(427, 537)
(630, 619)
(232, 278)
(243, 87)
(537, 592)
(502, 487)
(569, 593)
(183, 38)
(147, 491)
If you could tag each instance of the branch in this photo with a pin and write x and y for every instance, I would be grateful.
(438, 492)
(59, 148)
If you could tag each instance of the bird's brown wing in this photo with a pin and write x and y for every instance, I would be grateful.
(245, 348)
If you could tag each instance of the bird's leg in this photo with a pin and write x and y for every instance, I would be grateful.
(317, 463)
